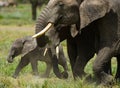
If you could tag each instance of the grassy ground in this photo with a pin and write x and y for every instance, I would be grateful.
(16, 23)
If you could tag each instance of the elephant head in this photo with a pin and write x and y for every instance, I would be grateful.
(70, 12)
(21, 46)
(57, 12)
(15, 49)
(57, 16)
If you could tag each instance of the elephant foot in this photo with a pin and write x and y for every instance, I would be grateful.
(35, 73)
(89, 78)
(14, 76)
(64, 75)
(80, 74)
(107, 80)
(59, 75)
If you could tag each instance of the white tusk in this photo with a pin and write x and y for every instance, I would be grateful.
(57, 52)
(45, 51)
(43, 31)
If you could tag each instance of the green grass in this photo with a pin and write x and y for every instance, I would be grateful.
(26, 79)
(16, 23)
(20, 15)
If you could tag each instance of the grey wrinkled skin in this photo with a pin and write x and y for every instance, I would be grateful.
(104, 14)
(50, 14)
(80, 48)
(31, 53)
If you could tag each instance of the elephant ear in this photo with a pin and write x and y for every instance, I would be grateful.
(29, 45)
(74, 30)
(91, 10)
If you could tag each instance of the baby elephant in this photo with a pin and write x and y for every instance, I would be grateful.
(31, 53)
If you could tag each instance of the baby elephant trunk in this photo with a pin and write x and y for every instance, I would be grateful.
(11, 56)
(10, 59)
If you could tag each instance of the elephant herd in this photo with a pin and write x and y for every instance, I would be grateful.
(89, 27)
(34, 5)
(31, 53)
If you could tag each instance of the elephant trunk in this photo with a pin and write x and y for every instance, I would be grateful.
(34, 12)
(9, 59)
(10, 56)
(34, 4)
(41, 23)
(42, 20)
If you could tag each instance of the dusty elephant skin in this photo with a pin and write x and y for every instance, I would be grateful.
(105, 17)
(31, 53)
(47, 15)
(80, 48)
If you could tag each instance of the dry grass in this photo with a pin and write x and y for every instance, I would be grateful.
(16, 23)
(26, 79)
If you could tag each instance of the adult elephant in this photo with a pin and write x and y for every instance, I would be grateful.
(103, 14)
(34, 5)
(80, 48)
(106, 17)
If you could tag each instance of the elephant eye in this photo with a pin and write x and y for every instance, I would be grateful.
(61, 4)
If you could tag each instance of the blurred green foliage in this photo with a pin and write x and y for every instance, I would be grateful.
(20, 15)
(26, 80)
(27, 1)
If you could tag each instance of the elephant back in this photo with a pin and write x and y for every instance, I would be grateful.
(29, 45)
(91, 10)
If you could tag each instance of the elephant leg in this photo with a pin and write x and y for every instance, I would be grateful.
(62, 61)
(55, 67)
(65, 72)
(24, 62)
(84, 54)
(65, 67)
(117, 76)
(104, 55)
(71, 49)
(48, 69)
(34, 64)
(54, 62)
(80, 64)
(34, 11)
(107, 68)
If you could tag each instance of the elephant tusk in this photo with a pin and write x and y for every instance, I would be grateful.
(43, 31)
(57, 52)
(45, 51)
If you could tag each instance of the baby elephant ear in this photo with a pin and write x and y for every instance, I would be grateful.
(91, 10)
(29, 45)
(73, 30)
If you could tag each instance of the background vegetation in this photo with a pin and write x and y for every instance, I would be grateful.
(16, 23)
